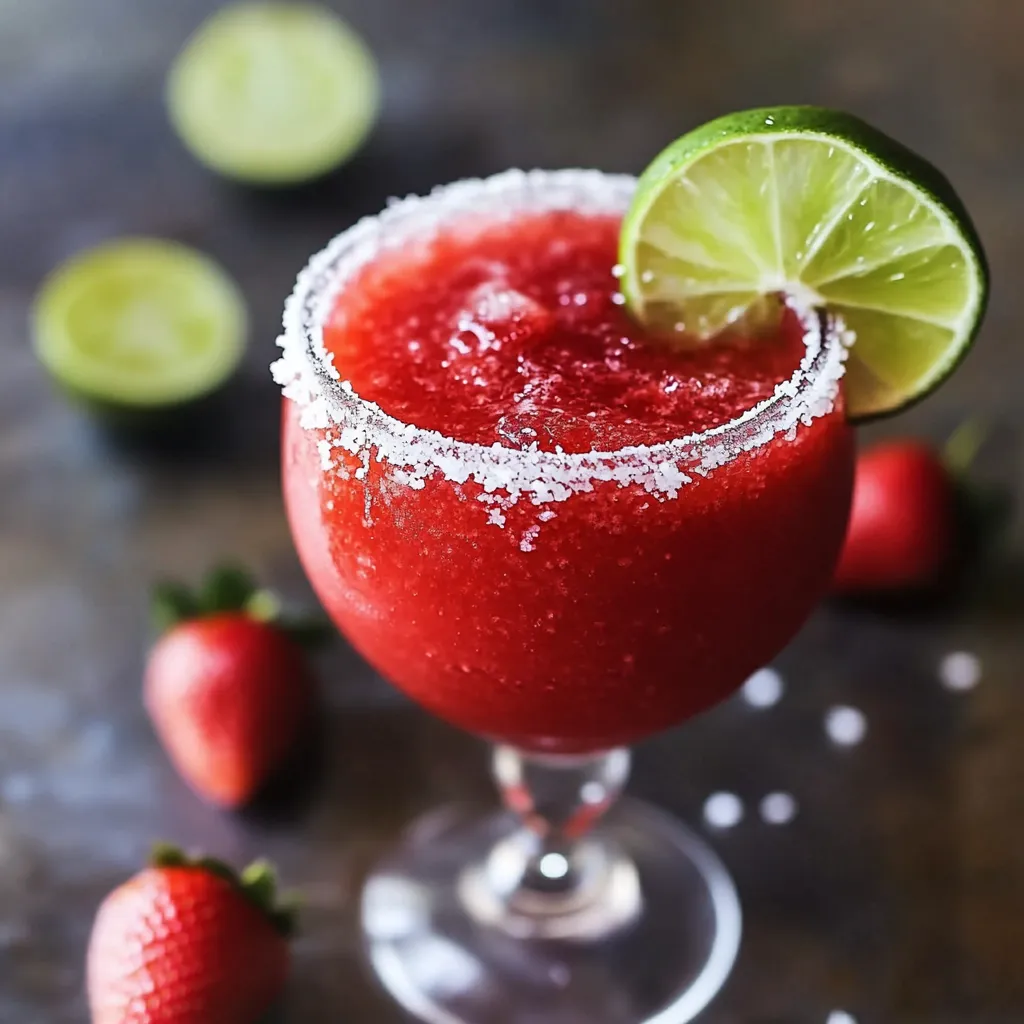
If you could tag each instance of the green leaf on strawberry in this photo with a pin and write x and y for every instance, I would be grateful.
(231, 588)
(226, 588)
(257, 882)
(172, 603)
(983, 510)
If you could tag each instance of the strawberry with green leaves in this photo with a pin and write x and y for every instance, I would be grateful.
(188, 941)
(227, 686)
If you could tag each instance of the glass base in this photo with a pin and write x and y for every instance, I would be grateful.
(652, 939)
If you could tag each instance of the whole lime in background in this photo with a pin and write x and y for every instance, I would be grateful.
(140, 324)
(273, 93)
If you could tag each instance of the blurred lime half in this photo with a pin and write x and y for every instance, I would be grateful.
(273, 93)
(140, 323)
(819, 205)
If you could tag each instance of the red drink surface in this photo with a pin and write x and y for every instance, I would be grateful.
(544, 353)
(586, 623)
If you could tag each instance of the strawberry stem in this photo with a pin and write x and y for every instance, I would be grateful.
(172, 603)
(963, 445)
(257, 883)
(983, 510)
(167, 855)
(264, 606)
(230, 588)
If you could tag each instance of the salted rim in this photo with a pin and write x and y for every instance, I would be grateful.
(308, 376)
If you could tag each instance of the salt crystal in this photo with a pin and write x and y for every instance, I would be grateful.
(763, 689)
(840, 1017)
(778, 808)
(529, 536)
(723, 810)
(960, 671)
(324, 448)
(494, 301)
(845, 726)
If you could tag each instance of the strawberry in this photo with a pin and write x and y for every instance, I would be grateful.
(901, 522)
(227, 688)
(187, 941)
(916, 516)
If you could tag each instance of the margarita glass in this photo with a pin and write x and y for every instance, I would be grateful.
(564, 537)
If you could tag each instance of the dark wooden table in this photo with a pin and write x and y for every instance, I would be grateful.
(897, 894)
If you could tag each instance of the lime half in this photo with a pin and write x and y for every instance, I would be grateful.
(819, 205)
(140, 323)
(273, 93)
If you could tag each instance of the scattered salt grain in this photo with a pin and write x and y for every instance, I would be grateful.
(763, 689)
(778, 808)
(845, 726)
(529, 536)
(960, 671)
(723, 810)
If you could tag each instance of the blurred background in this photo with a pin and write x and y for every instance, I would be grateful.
(897, 892)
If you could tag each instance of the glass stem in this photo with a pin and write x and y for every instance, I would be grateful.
(553, 876)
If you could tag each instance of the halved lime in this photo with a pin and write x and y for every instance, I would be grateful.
(273, 93)
(816, 204)
(140, 323)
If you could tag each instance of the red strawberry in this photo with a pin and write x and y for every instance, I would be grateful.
(902, 522)
(227, 693)
(188, 942)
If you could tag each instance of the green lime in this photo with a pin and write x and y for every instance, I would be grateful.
(819, 205)
(273, 93)
(140, 323)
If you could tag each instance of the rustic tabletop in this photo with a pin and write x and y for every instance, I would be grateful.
(897, 892)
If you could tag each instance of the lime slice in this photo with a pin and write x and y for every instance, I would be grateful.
(273, 93)
(140, 323)
(819, 205)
